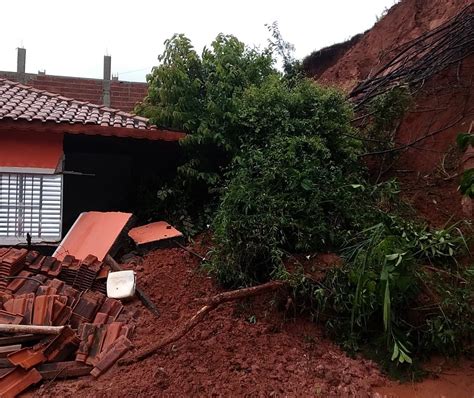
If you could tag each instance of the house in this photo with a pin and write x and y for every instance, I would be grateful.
(109, 90)
(60, 157)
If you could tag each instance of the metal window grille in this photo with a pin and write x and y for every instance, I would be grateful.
(30, 203)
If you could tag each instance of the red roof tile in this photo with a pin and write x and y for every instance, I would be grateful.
(27, 105)
(17, 380)
(18, 101)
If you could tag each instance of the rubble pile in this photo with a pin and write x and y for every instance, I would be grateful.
(65, 324)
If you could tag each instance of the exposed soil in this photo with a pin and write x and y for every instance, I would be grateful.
(404, 22)
(442, 107)
(242, 349)
(248, 348)
(449, 379)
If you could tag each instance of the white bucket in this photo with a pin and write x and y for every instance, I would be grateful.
(121, 284)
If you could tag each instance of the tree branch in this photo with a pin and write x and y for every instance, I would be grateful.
(211, 305)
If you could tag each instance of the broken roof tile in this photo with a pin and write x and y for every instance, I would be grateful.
(114, 331)
(32, 284)
(18, 380)
(95, 348)
(43, 310)
(62, 346)
(10, 318)
(94, 233)
(154, 232)
(113, 354)
(16, 284)
(27, 357)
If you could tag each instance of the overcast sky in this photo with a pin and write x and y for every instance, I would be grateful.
(70, 37)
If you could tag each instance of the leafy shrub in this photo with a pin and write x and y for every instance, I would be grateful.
(200, 94)
(288, 196)
(466, 185)
(385, 290)
(385, 112)
(281, 108)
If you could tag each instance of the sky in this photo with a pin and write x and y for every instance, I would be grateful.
(70, 38)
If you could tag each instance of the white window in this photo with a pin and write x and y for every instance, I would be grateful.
(30, 203)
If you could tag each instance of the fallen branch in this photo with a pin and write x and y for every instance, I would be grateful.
(211, 305)
(414, 62)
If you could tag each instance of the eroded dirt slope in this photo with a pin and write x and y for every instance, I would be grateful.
(405, 21)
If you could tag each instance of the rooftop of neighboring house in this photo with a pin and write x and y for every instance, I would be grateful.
(29, 107)
(109, 91)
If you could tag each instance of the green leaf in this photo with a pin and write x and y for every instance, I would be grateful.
(306, 185)
(386, 307)
(395, 351)
(391, 257)
(463, 140)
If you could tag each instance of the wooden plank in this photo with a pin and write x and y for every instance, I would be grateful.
(7, 349)
(31, 329)
(21, 338)
(63, 370)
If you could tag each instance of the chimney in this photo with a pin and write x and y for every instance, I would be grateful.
(21, 64)
(106, 81)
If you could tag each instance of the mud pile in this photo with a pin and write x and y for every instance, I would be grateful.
(243, 348)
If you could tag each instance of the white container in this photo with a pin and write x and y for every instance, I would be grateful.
(121, 284)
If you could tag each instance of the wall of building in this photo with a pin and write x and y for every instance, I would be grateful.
(109, 171)
(123, 95)
(108, 91)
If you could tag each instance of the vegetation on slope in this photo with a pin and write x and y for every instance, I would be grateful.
(271, 163)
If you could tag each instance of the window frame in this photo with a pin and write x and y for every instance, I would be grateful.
(18, 235)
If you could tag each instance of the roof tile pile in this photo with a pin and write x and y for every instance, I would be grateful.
(42, 290)
(20, 102)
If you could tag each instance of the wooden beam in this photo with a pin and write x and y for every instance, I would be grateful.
(22, 338)
(32, 329)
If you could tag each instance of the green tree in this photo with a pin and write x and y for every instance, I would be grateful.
(200, 95)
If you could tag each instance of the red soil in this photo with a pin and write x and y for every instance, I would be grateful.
(442, 108)
(404, 22)
(450, 380)
(244, 348)
(444, 104)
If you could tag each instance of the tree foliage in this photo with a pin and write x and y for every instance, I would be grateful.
(200, 95)
(288, 196)
(271, 162)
